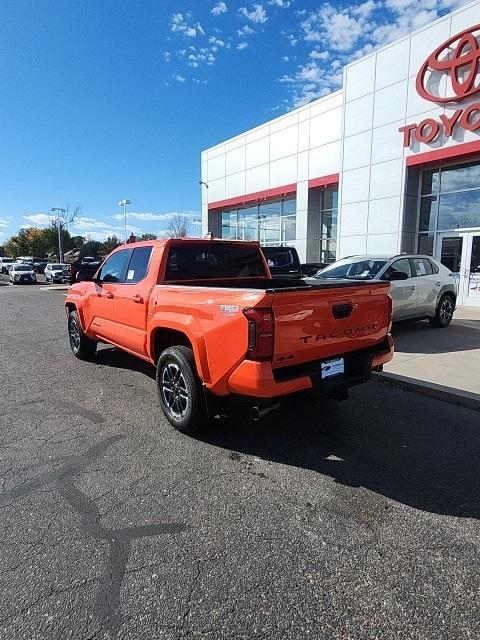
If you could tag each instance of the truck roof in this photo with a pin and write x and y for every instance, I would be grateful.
(169, 241)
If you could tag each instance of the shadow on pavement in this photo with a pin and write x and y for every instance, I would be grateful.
(417, 451)
(420, 337)
(113, 357)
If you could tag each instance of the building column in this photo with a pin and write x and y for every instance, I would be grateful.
(302, 220)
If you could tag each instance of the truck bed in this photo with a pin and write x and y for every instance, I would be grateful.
(274, 285)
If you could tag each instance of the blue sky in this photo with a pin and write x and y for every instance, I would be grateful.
(103, 100)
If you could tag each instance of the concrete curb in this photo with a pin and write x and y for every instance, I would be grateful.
(437, 391)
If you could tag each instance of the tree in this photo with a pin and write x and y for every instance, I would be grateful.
(91, 248)
(111, 243)
(78, 242)
(148, 236)
(178, 227)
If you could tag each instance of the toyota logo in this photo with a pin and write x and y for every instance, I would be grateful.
(459, 59)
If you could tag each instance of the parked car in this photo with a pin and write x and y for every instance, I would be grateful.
(39, 264)
(4, 261)
(421, 287)
(87, 264)
(56, 272)
(209, 315)
(284, 262)
(22, 274)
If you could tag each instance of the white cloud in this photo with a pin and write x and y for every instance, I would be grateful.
(283, 4)
(40, 219)
(146, 216)
(340, 33)
(257, 15)
(219, 8)
(242, 45)
(216, 42)
(179, 24)
(178, 78)
(167, 56)
(4, 222)
(245, 31)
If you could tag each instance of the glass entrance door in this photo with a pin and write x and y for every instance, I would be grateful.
(449, 250)
(471, 272)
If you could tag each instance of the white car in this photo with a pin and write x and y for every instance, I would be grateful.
(56, 272)
(3, 264)
(421, 287)
(22, 274)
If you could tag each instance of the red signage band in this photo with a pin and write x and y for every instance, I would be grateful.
(461, 65)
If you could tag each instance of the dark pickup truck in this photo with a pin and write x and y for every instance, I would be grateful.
(284, 263)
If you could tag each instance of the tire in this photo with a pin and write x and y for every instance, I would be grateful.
(180, 390)
(82, 347)
(443, 312)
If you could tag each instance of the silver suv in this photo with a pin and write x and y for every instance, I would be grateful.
(420, 286)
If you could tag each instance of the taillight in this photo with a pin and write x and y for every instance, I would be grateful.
(261, 326)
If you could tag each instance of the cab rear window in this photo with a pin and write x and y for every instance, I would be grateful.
(213, 262)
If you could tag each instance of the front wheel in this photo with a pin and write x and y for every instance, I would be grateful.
(444, 312)
(180, 390)
(82, 347)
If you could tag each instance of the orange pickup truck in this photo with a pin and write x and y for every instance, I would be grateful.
(215, 324)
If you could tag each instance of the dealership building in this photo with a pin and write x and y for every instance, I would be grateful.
(388, 164)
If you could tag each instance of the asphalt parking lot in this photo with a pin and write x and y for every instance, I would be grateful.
(349, 521)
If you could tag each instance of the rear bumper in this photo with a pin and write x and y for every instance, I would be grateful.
(259, 380)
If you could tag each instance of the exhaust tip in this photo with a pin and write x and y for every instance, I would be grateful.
(255, 414)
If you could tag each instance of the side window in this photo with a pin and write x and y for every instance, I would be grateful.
(138, 266)
(435, 268)
(113, 270)
(402, 265)
(421, 267)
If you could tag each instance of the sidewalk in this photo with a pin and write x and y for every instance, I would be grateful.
(443, 363)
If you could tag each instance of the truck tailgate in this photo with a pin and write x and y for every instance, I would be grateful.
(326, 321)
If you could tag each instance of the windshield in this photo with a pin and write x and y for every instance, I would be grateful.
(22, 267)
(7, 260)
(365, 269)
(57, 267)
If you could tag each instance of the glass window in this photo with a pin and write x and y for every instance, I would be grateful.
(289, 207)
(402, 266)
(425, 244)
(330, 199)
(289, 228)
(428, 212)
(248, 223)
(451, 253)
(461, 177)
(434, 267)
(113, 269)
(475, 257)
(421, 267)
(353, 269)
(430, 180)
(459, 210)
(138, 267)
(218, 261)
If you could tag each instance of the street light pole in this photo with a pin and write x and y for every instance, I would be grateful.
(123, 203)
(58, 211)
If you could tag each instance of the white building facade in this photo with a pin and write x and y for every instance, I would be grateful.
(388, 164)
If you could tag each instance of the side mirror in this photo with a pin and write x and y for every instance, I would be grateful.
(398, 275)
(84, 275)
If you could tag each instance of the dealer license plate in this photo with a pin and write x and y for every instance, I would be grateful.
(332, 368)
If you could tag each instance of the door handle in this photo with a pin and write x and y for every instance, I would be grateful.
(413, 288)
(437, 284)
(109, 294)
(138, 299)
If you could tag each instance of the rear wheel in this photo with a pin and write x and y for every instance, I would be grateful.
(180, 390)
(443, 312)
(83, 347)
